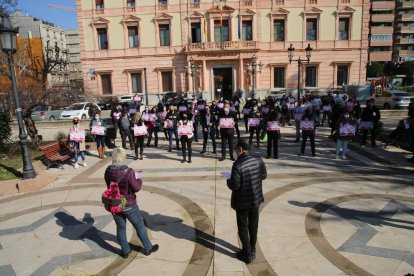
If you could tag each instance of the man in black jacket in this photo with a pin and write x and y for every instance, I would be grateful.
(371, 114)
(247, 175)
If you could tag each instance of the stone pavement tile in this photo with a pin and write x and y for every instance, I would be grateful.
(173, 249)
(20, 204)
(336, 229)
(80, 194)
(310, 264)
(278, 248)
(149, 266)
(375, 265)
(87, 267)
(393, 241)
(230, 273)
(403, 269)
(53, 198)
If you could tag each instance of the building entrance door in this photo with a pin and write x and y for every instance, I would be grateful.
(223, 83)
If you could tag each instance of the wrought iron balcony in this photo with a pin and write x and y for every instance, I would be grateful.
(219, 46)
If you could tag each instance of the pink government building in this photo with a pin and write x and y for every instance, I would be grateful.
(158, 46)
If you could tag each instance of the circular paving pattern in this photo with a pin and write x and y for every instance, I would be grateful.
(201, 258)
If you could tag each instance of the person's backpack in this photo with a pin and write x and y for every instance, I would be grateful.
(112, 199)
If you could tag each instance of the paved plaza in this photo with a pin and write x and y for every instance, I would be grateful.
(321, 216)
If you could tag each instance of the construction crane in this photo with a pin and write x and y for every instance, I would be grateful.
(61, 8)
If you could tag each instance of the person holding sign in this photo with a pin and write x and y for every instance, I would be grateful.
(139, 131)
(273, 132)
(307, 125)
(153, 126)
(185, 131)
(297, 115)
(254, 120)
(170, 124)
(345, 131)
(370, 118)
(77, 139)
(98, 128)
(226, 123)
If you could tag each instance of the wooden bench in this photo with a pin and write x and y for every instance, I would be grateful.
(55, 153)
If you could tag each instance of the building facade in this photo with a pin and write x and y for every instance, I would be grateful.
(74, 57)
(392, 31)
(52, 37)
(404, 32)
(145, 46)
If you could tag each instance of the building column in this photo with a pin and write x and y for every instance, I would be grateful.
(189, 80)
(241, 73)
(205, 76)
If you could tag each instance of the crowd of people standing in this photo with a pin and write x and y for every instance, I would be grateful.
(263, 120)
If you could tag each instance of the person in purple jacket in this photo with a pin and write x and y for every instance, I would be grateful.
(128, 186)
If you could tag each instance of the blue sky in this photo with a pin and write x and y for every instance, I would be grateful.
(40, 9)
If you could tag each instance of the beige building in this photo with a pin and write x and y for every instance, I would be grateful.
(144, 46)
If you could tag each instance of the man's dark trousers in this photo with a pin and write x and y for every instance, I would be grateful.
(226, 138)
(247, 225)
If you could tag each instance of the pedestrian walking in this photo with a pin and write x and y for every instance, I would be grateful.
(247, 175)
(98, 128)
(77, 140)
(128, 185)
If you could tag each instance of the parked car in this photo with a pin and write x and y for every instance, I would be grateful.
(45, 113)
(79, 110)
(392, 99)
(129, 98)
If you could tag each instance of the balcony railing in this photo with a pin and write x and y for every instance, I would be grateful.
(247, 3)
(405, 4)
(279, 2)
(405, 29)
(405, 17)
(382, 17)
(195, 5)
(405, 53)
(405, 40)
(383, 5)
(226, 45)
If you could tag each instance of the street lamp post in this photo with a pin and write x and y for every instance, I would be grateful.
(8, 45)
(194, 71)
(291, 51)
(253, 69)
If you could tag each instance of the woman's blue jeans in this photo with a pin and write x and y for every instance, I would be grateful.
(134, 216)
(100, 140)
(76, 148)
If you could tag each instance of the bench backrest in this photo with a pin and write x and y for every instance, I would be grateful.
(52, 148)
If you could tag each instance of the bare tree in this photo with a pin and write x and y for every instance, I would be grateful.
(7, 6)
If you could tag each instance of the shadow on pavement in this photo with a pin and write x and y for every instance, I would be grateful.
(375, 218)
(176, 228)
(73, 229)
